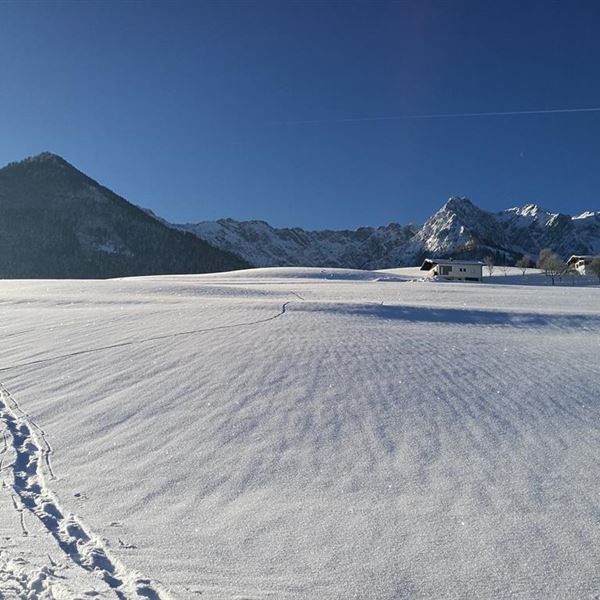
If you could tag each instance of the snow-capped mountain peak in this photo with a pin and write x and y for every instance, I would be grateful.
(588, 214)
(458, 228)
(529, 212)
(458, 204)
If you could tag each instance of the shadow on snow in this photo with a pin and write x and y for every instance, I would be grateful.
(459, 316)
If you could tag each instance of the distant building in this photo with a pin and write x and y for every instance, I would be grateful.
(453, 269)
(580, 262)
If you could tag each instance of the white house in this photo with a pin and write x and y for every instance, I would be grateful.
(580, 262)
(453, 269)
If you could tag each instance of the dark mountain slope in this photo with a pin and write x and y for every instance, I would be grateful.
(56, 222)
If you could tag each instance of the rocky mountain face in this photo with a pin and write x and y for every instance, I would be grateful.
(56, 222)
(458, 229)
(263, 245)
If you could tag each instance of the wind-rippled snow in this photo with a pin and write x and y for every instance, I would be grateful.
(285, 433)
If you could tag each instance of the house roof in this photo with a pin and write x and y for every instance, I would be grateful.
(576, 257)
(429, 263)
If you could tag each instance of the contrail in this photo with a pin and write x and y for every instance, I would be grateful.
(551, 111)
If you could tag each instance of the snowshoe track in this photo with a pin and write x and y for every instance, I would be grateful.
(30, 468)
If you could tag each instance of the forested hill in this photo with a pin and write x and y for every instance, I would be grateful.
(56, 222)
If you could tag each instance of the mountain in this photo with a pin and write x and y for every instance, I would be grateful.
(263, 245)
(56, 222)
(458, 229)
(532, 227)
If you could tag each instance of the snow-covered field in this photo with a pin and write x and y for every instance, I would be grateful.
(299, 433)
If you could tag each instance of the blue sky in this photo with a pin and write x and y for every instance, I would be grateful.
(204, 110)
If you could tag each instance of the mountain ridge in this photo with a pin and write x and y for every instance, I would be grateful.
(459, 229)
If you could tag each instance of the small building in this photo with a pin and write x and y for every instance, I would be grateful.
(453, 269)
(580, 262)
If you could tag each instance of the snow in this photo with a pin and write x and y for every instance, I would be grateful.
(527, 210)
(299, 433)
(588, 214)
(318, 273)
(107, 247)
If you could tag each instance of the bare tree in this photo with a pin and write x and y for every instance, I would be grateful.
(543, 259)
(490, 263)
(595, 267)
(505, 269)
(523, 263)
(552, 265)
